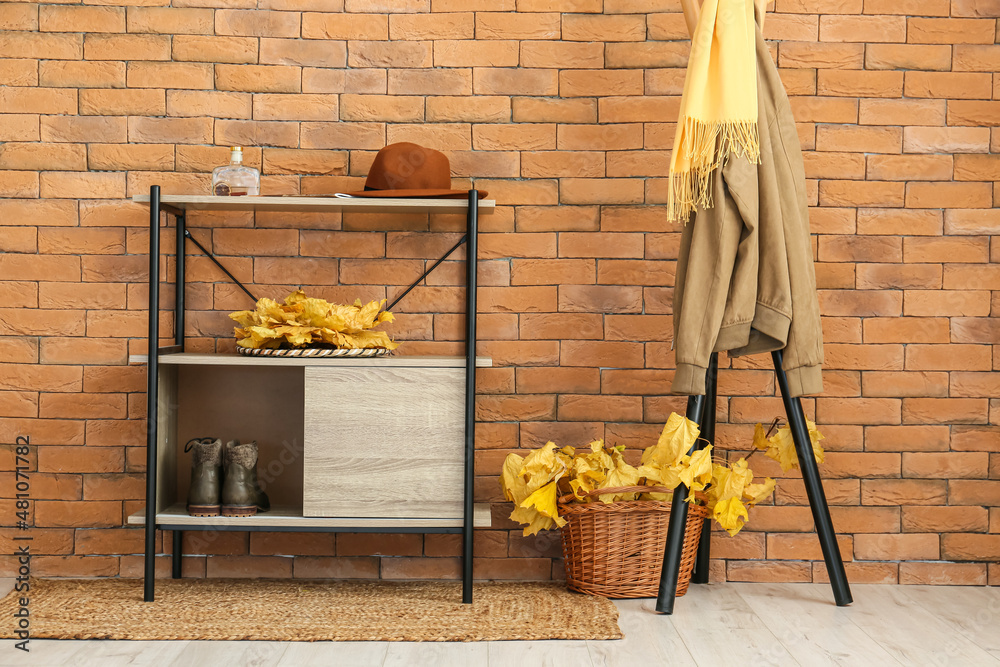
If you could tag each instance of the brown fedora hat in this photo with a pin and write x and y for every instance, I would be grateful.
(410, 170)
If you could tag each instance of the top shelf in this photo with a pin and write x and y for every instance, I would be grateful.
(317, 204)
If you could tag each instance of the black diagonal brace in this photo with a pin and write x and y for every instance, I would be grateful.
(427, 272)
(187, 234)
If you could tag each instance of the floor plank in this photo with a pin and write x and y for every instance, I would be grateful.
(715, 605)
(342, 654)
(437, 654)
(737, 646)
(975, 612)
(550, 653)
(41, 653)
(243, 653)
(811, 627)
(151, 653)
(650, 638)
(911, 634)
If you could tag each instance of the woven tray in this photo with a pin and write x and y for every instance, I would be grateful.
(314, 352)
(616, 549)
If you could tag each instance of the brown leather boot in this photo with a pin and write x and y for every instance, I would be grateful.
(241, 492)
(206, 476)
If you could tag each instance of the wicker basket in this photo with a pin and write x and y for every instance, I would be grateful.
(616, 549)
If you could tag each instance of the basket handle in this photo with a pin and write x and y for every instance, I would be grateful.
(569, 497)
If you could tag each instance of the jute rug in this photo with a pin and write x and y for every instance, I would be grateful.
(293, 610)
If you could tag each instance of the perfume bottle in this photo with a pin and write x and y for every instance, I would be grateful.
(233, 179)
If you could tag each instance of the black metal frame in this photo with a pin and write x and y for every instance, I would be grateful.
(152, 393)
(701, 409)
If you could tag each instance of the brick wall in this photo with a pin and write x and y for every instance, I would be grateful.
(565, 112)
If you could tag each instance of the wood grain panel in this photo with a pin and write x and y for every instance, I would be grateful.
(386, 442)
(166, 438)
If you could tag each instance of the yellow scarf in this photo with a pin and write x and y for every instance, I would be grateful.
(719, 106)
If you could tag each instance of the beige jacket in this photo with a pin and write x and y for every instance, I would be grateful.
(745, 279)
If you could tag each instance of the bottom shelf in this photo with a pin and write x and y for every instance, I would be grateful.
(290, 519)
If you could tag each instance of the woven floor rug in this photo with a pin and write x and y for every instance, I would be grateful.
(296, 610)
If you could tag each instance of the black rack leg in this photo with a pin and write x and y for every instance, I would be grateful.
(179, 282)
(468, 524)
(814, 488)
(175, 558)
(152, 373)
(701, 562)
(675, 529)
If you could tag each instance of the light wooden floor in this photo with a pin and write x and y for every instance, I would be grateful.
(714, 626)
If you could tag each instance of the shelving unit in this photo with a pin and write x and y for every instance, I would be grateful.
(333, 432)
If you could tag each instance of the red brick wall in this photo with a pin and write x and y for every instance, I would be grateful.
(564, 111)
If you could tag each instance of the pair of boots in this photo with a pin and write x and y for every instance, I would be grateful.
(224, 480)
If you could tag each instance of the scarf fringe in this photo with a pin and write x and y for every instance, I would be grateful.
(706, 146)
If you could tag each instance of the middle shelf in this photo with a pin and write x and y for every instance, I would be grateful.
(289, 518)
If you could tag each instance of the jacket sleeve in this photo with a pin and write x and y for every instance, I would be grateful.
(803, 354)
(709, 244)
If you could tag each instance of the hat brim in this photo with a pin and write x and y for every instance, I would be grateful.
(415, 194)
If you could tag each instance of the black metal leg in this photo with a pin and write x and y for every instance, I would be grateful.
(468, 525)
(179, 283)
(701, 563)
(175, 558)
(675, 530)
(814, 488)
(152, 373)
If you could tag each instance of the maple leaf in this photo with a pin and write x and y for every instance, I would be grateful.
(732, 481)
(544, 501)
(678, 436)
(698, 471)
(622, 474)
(731, 514)
(755, 493)
(782, 446)
(513, 485)
(759, 437)
(302, 321)
(543, 464)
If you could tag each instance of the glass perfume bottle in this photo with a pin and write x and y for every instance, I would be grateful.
(234, 179)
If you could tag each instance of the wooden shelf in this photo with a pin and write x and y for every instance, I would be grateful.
(394, 361)
(317, 204)
(291, 518)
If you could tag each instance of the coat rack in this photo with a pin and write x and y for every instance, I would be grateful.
(701, 409)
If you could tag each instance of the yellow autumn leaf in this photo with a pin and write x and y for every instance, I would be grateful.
(669, 476)
(676, 439)
(303, 321)
(782, 449)
(296, 335)
(532, 519)
(759, 437)
(543, 464)
(731, 514)
(782, 446)
(513, 485)
(814, 437)
(755, 493)
(622, 474)
(737, 479)
(698, 471)
(544, 502)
